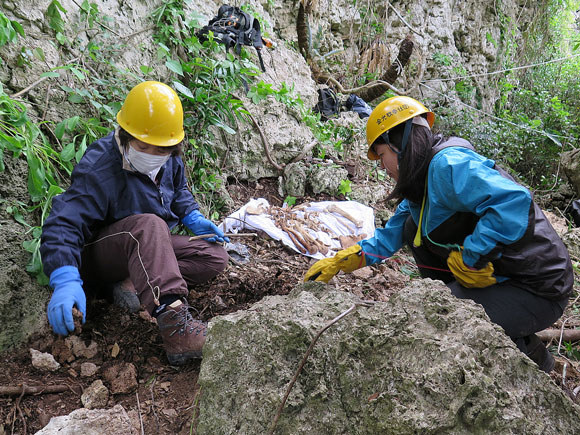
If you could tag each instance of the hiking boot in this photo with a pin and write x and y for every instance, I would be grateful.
(125, 296)
(183, 336)
(538, 353)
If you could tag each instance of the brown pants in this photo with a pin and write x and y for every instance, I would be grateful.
(141, 248)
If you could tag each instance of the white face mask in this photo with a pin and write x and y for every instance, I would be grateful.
(143, 162)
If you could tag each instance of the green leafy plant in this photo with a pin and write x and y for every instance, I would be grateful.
(20, 136)
(290, 200)
(442, 59)
(345, 188)
(260, 91)
(89, 13)
(572, 350)
(56, 21)
(537, 112)
(9, 30)
(207, 79)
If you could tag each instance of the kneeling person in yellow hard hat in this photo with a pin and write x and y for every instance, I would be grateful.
(468, 223)
(113, 224)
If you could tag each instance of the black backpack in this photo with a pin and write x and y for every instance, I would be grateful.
(327, 105)
(234, 28)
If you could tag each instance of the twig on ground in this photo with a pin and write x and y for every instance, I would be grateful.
(561, 335)
(17, 408)
(7, 390)
(554, 334)
(139, 411)
(195, 407)
(153, 405)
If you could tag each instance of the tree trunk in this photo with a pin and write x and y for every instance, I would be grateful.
(392, 74)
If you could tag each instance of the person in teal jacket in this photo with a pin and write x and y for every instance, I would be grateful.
(467, 222)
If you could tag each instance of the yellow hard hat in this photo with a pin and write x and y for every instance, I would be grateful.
(152, 113)
(390, 113)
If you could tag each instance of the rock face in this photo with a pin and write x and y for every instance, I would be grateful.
(571, 165)
(22, 300)
(424, 362)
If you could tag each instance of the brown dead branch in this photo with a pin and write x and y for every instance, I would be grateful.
(554, 334)
(40, 80)
(375, 59)
(264, 139)
(403, 20)
(19, 390)
(369, 91)
(302, 33)
(394, 71)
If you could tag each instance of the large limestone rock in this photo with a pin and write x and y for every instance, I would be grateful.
(571, 165)
(424, 362)
(570, 235)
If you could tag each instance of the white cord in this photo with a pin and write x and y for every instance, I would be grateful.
(525, 127)
(154, 290)
(504, 70)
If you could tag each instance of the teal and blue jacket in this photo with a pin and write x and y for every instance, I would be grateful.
(496, 220)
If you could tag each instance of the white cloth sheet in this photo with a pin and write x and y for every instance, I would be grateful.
(336, 224)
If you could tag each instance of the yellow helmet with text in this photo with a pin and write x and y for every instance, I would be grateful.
(390, 113)
(152, 113)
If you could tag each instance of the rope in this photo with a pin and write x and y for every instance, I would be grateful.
(541, 132)
(504, 70)
(421, 266)
(154, 290)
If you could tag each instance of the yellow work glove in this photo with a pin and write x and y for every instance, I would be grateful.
(469, 277)
(347, 260)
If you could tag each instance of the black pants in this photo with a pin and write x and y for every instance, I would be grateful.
(519, 312)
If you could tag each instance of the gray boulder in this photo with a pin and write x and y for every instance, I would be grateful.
(326, 179)
(424, 362)
(571, 165)
(114, 421)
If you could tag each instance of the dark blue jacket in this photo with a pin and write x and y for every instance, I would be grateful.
(102, 192)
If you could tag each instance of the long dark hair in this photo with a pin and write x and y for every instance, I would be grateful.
(125, 137)
(413, 162)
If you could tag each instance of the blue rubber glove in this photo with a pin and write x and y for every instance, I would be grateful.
(68, 291)
(199, 225)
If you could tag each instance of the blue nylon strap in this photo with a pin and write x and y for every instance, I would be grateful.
(406, 134)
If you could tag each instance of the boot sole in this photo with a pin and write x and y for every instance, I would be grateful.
(126, 300)
(182, 358)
